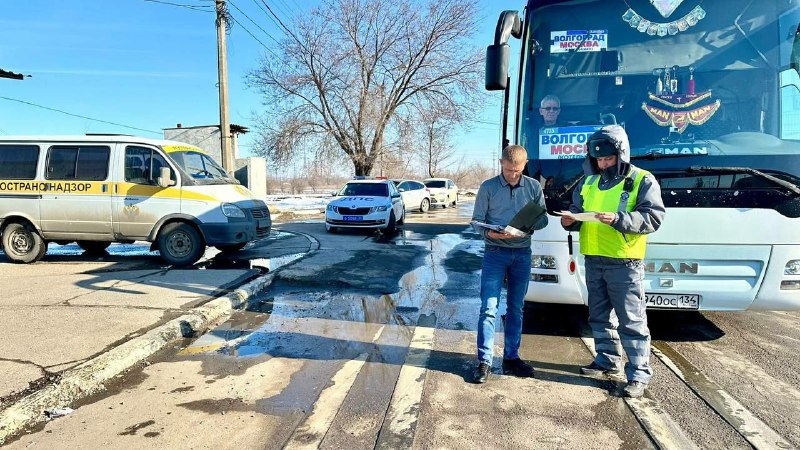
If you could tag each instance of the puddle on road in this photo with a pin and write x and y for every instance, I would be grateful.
(135, 249)
(333, 325)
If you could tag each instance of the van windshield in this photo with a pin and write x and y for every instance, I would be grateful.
(202, 168)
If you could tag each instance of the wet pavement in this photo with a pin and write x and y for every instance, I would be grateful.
(368, 340)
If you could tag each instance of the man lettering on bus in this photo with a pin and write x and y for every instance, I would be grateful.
(505, 257)
(628, 205)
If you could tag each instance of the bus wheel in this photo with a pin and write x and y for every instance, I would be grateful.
(231, 248)
(22, 244)
(94, 247)
(180, 244)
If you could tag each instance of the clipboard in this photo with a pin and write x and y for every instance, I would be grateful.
(522, 223)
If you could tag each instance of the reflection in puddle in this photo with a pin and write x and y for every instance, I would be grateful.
(72, 249)
(332, 325)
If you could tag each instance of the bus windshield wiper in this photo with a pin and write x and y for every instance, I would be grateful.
(783, 183)
(659, 155)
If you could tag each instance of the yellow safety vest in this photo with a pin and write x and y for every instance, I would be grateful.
(604, 240)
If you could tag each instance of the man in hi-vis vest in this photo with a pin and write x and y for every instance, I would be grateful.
(628, 204)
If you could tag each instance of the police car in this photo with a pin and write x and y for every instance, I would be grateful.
(366, 204)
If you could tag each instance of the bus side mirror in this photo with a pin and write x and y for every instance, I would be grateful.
(498, 54)
(165, 177)
(497, 57)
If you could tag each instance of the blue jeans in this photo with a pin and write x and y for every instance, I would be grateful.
(499, 262)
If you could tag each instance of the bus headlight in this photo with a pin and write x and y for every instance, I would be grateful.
(231, 210)
(792, 267)
(543, 262)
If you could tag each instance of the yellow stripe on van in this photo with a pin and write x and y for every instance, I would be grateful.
(182, 148)
(145, 190)
(36, 187)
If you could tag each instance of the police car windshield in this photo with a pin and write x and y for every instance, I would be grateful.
(365, 189)
(202, 168)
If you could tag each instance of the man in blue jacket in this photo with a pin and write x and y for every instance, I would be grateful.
(506, 256)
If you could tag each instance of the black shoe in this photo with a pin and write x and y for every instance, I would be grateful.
(634, 389)
(481, 373)
(518, 368)
(597, 369)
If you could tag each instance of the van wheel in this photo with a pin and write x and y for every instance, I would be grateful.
(22, 244)
(180, 244)
(425, 205)
(94, 247)
(231, 248)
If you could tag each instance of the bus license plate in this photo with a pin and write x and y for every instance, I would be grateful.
(672, 301)
(351, 218)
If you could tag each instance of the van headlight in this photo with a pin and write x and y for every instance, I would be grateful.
(792, 267)
(543, 262)
(231, 210)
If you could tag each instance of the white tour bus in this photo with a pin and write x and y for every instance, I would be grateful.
(709, 93)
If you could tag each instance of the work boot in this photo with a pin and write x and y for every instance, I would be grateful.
(518, 368)
(481, 373)
(597, 369)
(634, 389)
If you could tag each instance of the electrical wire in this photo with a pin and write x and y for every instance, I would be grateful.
(78, 115)
(201, 8)
(254, 22)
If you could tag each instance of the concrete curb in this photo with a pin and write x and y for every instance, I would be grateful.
(89, 378)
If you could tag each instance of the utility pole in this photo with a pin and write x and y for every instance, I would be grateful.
(222, 65)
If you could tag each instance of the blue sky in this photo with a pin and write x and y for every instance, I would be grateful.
(152, 65)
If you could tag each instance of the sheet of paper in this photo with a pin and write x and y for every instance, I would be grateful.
(501, 229)
(582, 217)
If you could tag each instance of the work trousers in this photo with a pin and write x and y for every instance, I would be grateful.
(617, 314)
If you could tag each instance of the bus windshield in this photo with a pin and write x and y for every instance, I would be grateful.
(694, 83)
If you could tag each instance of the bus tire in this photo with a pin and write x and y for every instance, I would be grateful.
(180, 244)
(22, 243)
(94, 247)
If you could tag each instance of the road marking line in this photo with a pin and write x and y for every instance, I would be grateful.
(310, 433)
(400, 424)
(656, 422)
(750, 427)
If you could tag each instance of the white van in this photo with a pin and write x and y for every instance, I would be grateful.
(99, 189)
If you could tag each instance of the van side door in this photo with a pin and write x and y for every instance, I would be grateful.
(76, 194)
(139, 202)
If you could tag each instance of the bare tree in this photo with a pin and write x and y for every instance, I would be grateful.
(351, 66)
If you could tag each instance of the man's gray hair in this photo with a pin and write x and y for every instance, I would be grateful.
(550, 98)
(515, 153)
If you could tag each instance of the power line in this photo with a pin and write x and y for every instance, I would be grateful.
(280, 22)
(254, 23)
(78, 115)
(253, 36)
(182, 5)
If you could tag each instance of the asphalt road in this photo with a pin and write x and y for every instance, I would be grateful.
(369, 341)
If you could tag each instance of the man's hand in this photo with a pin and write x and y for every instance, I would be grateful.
(496, 235)
(606, 217)
(567, 221)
